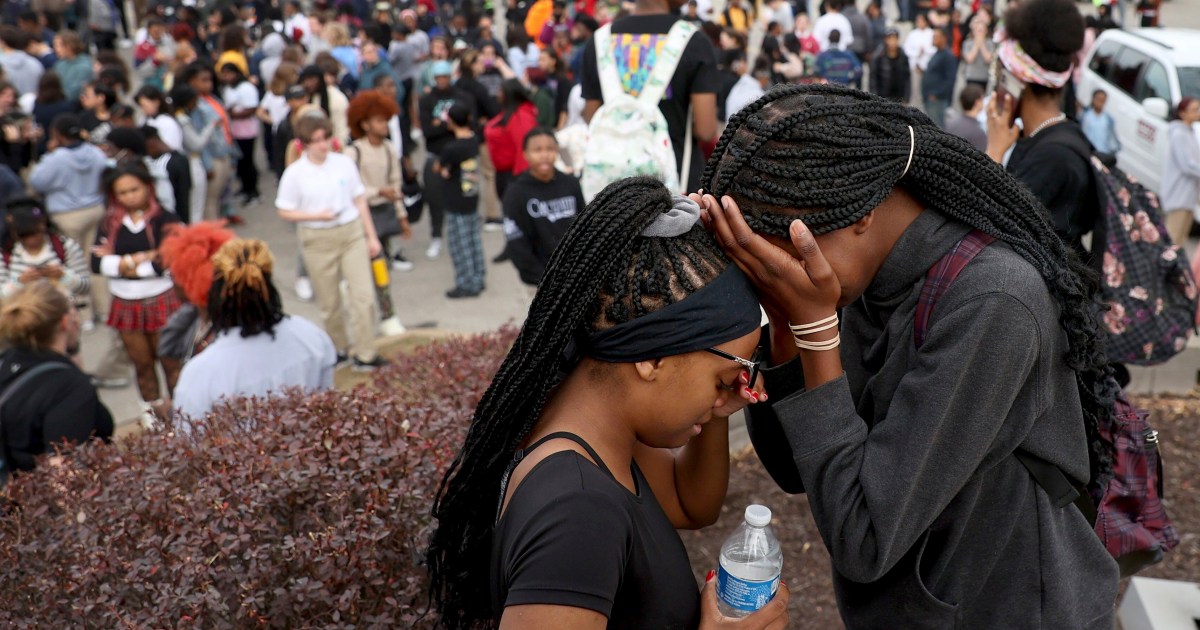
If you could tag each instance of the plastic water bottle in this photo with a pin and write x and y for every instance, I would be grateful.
(750, 564)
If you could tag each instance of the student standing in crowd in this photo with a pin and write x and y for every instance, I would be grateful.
(433, 107)
(833, 20)
(966, 125)
(693, 87)
(373, 153)
(174, 168)
(891, 73)
(240, 98)
(219, 151)
(57, 404)
(152, 103)
(1181, 172)
(125, 252)
(186, 253)
(1050, 154)
(322, 192)
(74, 65)
(979, 54)
(1099, 126)
(34, 249)
(903, 441)
(458, 164)
(937, 82)
(539, 206)
(505, 133)
(184, 105)
(835, 65)
(257, 349)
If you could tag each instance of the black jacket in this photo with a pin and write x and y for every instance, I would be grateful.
(891, 78)
(431, 107)
(56, 406)
(179, 173)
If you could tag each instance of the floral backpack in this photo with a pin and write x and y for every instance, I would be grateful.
(1146, 280)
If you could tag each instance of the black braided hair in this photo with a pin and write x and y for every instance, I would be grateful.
(833, 154)
(601, 274)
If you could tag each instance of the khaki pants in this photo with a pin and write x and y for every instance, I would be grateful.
(221, 172)
(332, 255)
(1179, 223)
(490, 201)
(81, 225)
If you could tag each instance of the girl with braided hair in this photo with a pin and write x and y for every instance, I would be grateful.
(560, 509)
(257, 349)
(836, 201)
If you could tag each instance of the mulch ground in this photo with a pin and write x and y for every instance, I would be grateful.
(806, 566)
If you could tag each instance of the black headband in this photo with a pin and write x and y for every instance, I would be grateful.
(721, 311)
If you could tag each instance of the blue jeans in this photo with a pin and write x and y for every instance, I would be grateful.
(937, 111)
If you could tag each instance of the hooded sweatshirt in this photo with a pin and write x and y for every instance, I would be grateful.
(69, 177)
(272, 49)
(22, 70)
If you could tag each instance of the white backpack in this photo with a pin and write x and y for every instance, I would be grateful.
(628, 135)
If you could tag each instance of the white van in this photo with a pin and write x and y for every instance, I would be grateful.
(1146, 72)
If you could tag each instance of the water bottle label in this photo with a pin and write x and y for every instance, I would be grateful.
(744, 595)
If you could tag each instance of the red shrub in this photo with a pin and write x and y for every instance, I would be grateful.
(296, 512)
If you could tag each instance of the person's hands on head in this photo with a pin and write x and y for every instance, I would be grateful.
(773, 616)
(805, 289)
(745, 397)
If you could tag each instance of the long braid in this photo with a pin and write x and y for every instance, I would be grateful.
(834, 154)
(601, 274)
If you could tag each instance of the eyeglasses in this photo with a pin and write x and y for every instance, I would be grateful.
(753, 364)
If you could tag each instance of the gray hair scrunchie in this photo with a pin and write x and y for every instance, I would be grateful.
(682, 216)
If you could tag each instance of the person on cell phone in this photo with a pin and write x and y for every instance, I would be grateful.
(1050, 154)
(34, 249)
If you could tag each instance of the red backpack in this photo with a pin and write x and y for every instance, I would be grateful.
(1125, 507)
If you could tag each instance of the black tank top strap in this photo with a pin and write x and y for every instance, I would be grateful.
(567, 435)
(521, 454)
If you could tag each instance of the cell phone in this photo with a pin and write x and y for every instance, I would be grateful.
(1008, 85)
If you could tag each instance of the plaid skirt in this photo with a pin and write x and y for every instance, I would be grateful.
(146, 315)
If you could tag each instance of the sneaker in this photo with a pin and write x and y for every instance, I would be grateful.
(304, 289)
(251, 200)
(400, 263)
(109, 383)
(342, 357)
(368, 366)
(392, 327)
(459, 292)
(88, 325)
(493, 226)
(434, 250)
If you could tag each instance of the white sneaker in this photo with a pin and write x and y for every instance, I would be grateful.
(391, 327)
(434, 250)
(304, 289)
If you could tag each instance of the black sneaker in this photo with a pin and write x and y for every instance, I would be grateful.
(368, 366)
(400, 263)
(459, 292)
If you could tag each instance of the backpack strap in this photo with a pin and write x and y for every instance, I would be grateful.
(938, 280)
(664, 66)
(12, 388)
(606, 64)
(56, 244)
(941, 275)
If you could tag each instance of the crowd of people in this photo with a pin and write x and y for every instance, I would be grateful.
(123, 185)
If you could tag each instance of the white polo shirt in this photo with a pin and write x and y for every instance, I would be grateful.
(312, 188)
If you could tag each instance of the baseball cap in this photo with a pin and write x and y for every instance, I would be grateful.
(442, 69)
(891, 32)
(295, 92)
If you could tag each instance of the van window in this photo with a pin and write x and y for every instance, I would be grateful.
(1102, 59)
(1127, 69)
(1154, 83)
(1189, 82)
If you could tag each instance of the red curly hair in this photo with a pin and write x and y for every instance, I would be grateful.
(187, 252)
(366, 104)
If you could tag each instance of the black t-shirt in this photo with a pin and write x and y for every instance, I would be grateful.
(1054, 166)
(696, 74)
(461, 157)
(573, 536)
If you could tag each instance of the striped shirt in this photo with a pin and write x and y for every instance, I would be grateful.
(76, 278)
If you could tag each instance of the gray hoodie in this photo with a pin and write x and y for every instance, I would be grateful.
(69, 177)
(272, 49)
(22, 70)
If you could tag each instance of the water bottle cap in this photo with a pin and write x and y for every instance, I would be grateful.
(758, 515)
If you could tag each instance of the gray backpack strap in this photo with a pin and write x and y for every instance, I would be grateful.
(9, 390)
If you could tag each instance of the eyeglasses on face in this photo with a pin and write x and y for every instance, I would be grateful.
(753, 365)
